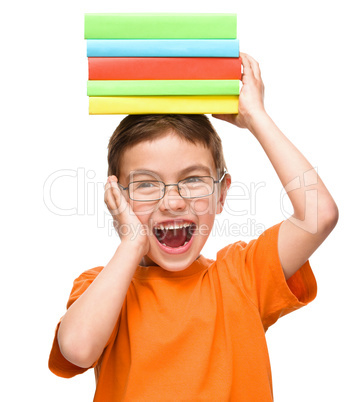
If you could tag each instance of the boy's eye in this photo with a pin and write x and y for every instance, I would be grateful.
(145, 184)
(194, 179)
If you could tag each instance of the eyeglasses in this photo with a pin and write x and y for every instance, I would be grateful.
(154, 190)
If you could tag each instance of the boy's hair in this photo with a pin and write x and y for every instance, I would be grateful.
(134, 129)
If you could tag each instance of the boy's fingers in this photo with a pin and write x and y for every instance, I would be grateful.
(247, 69)
(115, 191)
(108, 183)
(226, 117)
(109, 198)
(113, 197)
(247, 73)
(250, 67)
(255, 67)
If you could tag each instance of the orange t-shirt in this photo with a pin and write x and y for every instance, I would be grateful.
(197, 334)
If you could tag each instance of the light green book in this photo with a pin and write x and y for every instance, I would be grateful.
(162, 87)
(160, 26)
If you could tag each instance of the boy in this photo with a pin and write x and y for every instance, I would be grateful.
(160, 322)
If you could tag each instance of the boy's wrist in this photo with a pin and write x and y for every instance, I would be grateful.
(133, 249)
(255, 119)
(259, 124)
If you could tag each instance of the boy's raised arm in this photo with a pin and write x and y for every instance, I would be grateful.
(315, 212)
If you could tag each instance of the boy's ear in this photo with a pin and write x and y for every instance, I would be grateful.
(225, 185)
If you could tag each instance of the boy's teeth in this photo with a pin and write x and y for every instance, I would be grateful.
(175, 226)
(163, 244)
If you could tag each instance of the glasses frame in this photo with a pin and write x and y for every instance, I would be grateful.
(171, 185)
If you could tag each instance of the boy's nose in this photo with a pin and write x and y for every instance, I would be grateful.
(172, 201)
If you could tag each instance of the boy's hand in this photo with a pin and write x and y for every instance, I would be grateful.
(251, 95)
(125, 221)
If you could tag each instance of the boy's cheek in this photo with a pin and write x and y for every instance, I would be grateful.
(200, 206)
(203, 206)
(143, 208)
(203, 230)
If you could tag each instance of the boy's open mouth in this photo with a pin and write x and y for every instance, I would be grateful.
(174, 234)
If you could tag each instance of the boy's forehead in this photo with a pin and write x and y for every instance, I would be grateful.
(167, 155)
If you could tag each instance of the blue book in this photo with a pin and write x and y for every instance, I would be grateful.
(163, 48)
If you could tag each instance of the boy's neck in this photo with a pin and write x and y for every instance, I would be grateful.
(147, 272)
(147, 262)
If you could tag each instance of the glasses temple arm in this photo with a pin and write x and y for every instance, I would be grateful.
(218, 181)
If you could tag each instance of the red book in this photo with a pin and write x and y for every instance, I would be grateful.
(164, 68)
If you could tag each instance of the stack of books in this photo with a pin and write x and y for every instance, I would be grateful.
(162, 63)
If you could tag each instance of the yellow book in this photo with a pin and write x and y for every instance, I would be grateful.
(163, 104)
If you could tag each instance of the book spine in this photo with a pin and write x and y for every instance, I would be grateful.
(167, 68)
(164, 104)
(163, 48)
(162, 87)
(160, 26)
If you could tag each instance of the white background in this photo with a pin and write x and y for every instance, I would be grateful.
(309, 53)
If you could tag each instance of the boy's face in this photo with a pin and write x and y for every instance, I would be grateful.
(171, 159)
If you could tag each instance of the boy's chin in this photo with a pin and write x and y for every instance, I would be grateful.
(171, 264)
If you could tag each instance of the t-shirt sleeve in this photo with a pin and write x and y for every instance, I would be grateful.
(261, 277)
(57, 362)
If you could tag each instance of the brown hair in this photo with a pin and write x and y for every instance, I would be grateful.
(134, 129)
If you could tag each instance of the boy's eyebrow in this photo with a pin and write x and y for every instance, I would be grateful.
(189, 169)
(192, 168)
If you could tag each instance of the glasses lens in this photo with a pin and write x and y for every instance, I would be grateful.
(146, 190)
(193, 187)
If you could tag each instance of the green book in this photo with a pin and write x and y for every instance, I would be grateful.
(162, 87)
(160, 26)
